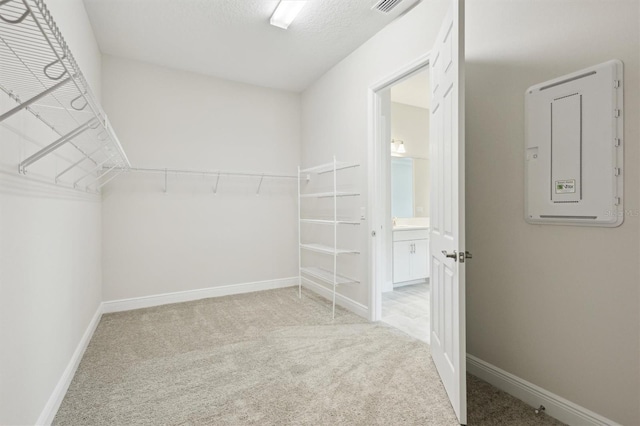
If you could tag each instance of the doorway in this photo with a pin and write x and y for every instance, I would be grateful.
(400, 208)
(405, 294)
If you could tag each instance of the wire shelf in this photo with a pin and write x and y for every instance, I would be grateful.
(329, 221)
(327, 276)
(329, 194)
(321, 248)
(329, 167)
(39, 72)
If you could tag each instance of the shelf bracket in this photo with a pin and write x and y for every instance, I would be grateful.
(101, 175)
(45, 70)
(22, 167)
(165, 181)
(215, 188)
(120, 171)
(25, 104)
(77, 163)
(96, 168)
(75, 99)
(13, 21)
(260, 185)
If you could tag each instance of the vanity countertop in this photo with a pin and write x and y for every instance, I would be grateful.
(409, 228)
(411, 224)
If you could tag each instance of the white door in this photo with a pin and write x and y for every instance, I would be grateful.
(448, 347)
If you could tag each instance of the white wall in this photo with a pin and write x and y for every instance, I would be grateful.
(411, 125)
(555, 305)
(335, 111)
(422, 187)
(189, 238)
(50, 277)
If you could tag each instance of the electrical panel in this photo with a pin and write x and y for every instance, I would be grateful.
(574, 148)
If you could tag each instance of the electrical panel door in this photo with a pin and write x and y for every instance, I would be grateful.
(574, 148)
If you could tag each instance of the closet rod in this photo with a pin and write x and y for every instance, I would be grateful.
(208, 172)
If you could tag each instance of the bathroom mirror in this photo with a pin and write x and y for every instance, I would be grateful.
(409, 187)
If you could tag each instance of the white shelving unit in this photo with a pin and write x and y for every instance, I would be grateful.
(328, 276)
(38, 71)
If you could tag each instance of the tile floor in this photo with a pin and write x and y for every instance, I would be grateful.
(407, 308)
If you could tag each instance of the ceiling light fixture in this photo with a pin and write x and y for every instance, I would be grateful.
(286, 12)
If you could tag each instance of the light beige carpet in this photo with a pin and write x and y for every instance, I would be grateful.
(264, 358)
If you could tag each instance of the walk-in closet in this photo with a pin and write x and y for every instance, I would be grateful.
(319, 212)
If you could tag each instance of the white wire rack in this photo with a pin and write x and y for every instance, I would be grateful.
(210, 173)
(38, 71)
(330, 277)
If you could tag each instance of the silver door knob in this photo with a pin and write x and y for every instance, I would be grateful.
(453, 255)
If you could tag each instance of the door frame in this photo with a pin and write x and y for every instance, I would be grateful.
(377, 178)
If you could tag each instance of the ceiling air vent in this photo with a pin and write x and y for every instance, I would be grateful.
(385, 6)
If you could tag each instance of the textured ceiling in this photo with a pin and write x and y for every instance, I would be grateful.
(413, 91)
(232, 39)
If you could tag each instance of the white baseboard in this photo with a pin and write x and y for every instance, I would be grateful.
(555, 406)
(189, 295)
(347, 303)
(52, 405)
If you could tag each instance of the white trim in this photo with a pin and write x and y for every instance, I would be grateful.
(376, 182)
(189, 295)
(402, 72)
(344, 301)
(374, 251)
(53, 404)
(555, 406)
(412, 282)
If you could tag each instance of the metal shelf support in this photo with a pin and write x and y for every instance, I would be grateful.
(36, 98)
(116, 167)
(95, 169)
(41, 75)
(55, 145)
(118, 173)
(77, 163)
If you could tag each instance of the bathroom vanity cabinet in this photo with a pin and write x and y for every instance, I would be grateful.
(410, 255)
